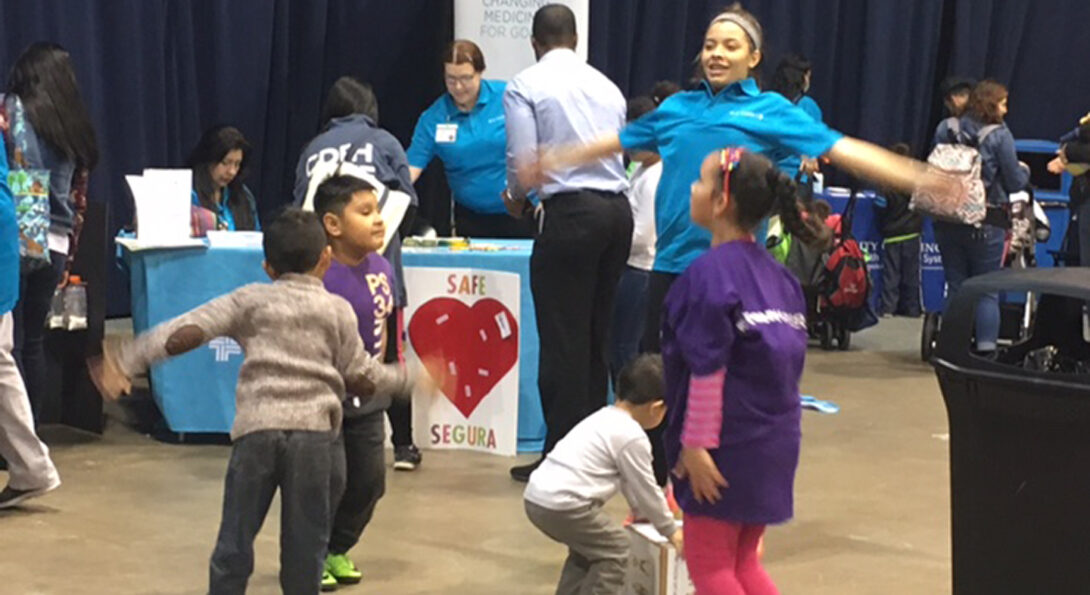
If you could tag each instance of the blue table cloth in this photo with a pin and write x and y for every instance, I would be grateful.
(196, 391)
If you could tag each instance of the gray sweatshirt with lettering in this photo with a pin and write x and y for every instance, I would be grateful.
(302, 350)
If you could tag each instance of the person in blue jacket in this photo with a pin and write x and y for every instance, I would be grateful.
(219, 168)
(968, 251)
(30, 471)
(727, 109)
(350, 133)
(465, 129)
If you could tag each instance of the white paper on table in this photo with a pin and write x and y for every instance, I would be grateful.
(135, 245)
(162, 199)
(235, 239)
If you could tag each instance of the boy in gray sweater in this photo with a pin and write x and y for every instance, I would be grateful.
(303, 351)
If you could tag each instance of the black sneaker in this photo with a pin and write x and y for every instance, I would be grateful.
(11, 497)
(521, 473)
(407, 458)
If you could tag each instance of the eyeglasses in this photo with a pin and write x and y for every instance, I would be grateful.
(460, 80)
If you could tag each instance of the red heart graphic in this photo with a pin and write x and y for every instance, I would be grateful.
(478, 345)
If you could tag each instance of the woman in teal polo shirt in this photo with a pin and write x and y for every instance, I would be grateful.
(728, 109)
(465, 129)
(792, 80)
(219, 166)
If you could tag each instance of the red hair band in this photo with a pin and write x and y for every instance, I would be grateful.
(728, 160)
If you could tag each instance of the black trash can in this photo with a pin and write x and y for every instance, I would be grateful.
(1020, 440)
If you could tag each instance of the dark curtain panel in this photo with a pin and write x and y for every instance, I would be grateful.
(1038, 49)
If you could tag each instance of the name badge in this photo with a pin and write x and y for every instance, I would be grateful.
(446, 133)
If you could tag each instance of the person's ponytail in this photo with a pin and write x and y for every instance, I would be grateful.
(810, 230)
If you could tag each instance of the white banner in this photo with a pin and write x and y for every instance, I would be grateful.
(467, 321)
(502, 29)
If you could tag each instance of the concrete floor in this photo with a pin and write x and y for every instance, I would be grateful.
(872, 505)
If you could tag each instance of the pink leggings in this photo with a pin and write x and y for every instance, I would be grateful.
(722, 557)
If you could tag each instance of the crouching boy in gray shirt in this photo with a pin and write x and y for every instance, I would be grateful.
(606, 452)
(303, 351)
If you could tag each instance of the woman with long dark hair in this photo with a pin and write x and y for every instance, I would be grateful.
(219, 168)
(59, 138)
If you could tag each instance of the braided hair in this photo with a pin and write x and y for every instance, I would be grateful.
(759, 189)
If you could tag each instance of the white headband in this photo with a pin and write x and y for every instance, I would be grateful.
(746, 25)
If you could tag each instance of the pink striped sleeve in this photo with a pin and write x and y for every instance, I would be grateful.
(704, 412)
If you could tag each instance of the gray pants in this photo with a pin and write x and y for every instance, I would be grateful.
(303, 466)
(597, 548)
(29, 466)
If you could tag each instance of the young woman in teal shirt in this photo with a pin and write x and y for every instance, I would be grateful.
(728, 109)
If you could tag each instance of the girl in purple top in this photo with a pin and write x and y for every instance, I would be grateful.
(733, 342)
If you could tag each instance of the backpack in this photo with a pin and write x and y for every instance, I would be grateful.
(844, 281)
(960, 158)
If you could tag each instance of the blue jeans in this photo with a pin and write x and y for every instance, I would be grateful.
(967, 252)
(629, 315)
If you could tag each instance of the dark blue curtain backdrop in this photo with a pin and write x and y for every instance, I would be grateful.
(157, 72)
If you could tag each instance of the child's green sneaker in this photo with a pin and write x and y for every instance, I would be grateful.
(342, 569)
(329, 583)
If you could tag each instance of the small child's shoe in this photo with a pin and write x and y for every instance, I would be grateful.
(342, 569)
(328, 582)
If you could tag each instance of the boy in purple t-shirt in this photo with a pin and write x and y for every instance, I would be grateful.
(733, 343)
(349, 210)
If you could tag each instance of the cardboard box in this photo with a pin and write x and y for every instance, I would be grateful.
(654, 567)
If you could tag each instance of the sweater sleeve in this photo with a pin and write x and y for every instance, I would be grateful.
(217, 318)
(639, 487)
(364, 374)
(704, 411)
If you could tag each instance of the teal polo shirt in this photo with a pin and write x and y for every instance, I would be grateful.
(690, 125)
(790, 162)
(224, 215)
(475, 160)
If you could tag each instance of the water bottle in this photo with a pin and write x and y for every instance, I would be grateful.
(75, 304)
(56, 311)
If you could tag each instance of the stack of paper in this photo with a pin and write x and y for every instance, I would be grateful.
(162, 198)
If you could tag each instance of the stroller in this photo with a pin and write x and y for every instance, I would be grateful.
(834, 279)
(1028, 225)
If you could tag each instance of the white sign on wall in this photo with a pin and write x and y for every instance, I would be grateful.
(466, 322)
(502, 29)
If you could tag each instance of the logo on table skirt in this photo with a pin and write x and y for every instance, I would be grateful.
(224, 348)
(930, 257)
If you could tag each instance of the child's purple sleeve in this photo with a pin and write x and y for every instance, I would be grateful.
(703, 324)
